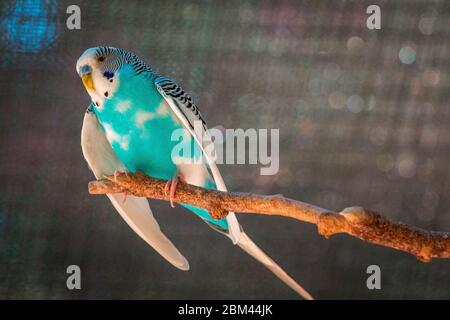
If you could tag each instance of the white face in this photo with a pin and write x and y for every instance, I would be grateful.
(99, 82)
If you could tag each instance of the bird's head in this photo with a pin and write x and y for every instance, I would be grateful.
(98, 68)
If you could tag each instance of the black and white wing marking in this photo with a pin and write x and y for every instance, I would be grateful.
(135, 210)
(187, 112)
(169, 89)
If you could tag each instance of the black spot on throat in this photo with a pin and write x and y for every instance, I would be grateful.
(106, 93)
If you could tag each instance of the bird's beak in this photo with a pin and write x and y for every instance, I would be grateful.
(87, 81)
(86, 77)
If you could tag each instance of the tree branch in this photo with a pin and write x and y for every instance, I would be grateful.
(358, 222)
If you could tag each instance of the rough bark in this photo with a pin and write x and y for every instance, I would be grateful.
(358, 222)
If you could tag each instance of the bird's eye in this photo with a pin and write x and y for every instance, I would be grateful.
(101, 59)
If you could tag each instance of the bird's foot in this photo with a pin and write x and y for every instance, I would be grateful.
(116, 174)
(171, 187)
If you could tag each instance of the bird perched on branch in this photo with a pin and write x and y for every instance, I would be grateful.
(128, 127)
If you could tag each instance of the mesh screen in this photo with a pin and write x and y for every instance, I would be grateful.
(363, 116)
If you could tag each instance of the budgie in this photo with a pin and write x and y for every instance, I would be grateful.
(128, 127)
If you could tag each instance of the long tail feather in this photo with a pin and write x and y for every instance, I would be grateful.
(252, 249)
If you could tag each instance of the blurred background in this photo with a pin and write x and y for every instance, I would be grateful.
(363, 115)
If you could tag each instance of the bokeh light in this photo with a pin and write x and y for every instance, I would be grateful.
(430, 77)
(337, 100)
(406, 167)
(332, 71)
(29, 25)
(407, 55)
(355, 44)
(355, 103)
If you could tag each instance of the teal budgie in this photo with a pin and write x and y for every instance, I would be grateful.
(128, 126)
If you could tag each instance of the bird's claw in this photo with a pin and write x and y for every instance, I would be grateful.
(116, 174)
(170, 189)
